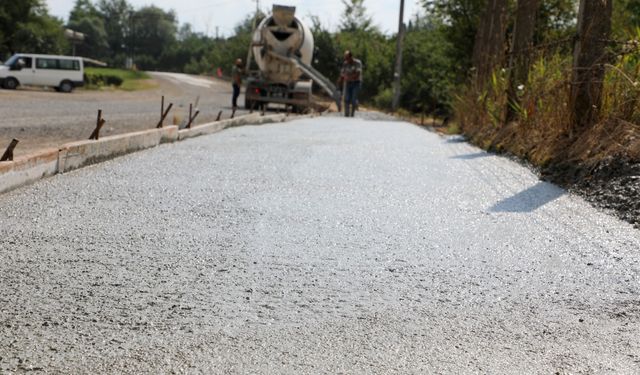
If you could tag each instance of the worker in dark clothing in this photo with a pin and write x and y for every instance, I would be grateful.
(236, 77)
(351, 78)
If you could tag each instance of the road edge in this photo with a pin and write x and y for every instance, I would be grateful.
(27, 169)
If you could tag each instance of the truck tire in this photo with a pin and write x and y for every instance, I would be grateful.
(11, 83)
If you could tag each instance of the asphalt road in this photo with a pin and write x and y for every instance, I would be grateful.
(319, 246)
(42, 118)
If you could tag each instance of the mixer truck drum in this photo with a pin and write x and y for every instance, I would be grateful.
(281, 35)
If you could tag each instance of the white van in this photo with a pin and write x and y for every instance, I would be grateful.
(63, 73)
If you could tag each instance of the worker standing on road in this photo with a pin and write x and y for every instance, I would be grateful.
(236, 76)
(351, 78)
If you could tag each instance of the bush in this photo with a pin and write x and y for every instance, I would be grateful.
(99, 79)
(384, 99)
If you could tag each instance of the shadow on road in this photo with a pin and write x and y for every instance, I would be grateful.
(476, 155)
(530, 199)
(456, 139)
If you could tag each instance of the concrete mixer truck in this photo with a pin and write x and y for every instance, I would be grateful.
(282, 47)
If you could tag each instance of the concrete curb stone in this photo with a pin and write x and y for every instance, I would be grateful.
(28, 168)
(70, 156)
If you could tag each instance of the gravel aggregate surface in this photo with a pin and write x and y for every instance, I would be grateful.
(42, 118)
(324, 245)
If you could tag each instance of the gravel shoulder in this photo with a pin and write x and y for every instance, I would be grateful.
(326, 245)
(39, 118)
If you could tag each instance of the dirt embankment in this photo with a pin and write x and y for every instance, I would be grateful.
(612, 183)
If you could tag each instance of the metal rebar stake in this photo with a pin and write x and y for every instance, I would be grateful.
(192, 117)
(163, 113)
(99, 123)
(8, 154)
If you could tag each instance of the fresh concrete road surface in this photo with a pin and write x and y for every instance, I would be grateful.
(326, 245)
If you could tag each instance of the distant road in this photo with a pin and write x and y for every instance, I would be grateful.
(40, 118)
(328, 245)
(185, 79)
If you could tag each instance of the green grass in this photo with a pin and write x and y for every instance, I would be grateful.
(131, 80)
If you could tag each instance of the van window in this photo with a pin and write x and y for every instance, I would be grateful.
(69, 64)
(42, 63)
(57, 64)
(28, 62)
(13, 61)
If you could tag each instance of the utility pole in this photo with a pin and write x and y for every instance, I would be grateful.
(397, 75)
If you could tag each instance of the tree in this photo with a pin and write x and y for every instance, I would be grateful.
(12, 14)
(489, 45)
(86, 18)
(556, 21)
(117, 16)
(458, 20)
(153, 32)
(83, 9)
(355, 17)
(26, 26)
(519, 60)
(594, 27)
(223, 52)
(41, 34)
(429, 80)
(626, 18)
(190, 53)
(326, 58)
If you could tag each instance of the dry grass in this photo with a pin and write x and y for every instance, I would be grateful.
(543, 133)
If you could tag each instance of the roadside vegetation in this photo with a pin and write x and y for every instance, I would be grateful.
(534, 116)
(128, 80)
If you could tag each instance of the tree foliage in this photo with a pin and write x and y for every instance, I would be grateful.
(26, 26)
(117, 16)
(355, 17)
(86, 18)
(152, 35)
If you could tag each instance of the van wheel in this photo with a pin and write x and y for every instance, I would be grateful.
(66, 86)
(11, 83)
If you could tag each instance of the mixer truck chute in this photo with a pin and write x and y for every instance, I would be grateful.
(282, 47)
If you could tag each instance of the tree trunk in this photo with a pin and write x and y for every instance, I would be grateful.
(521, 51)
(488, 50)
(594, 27)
